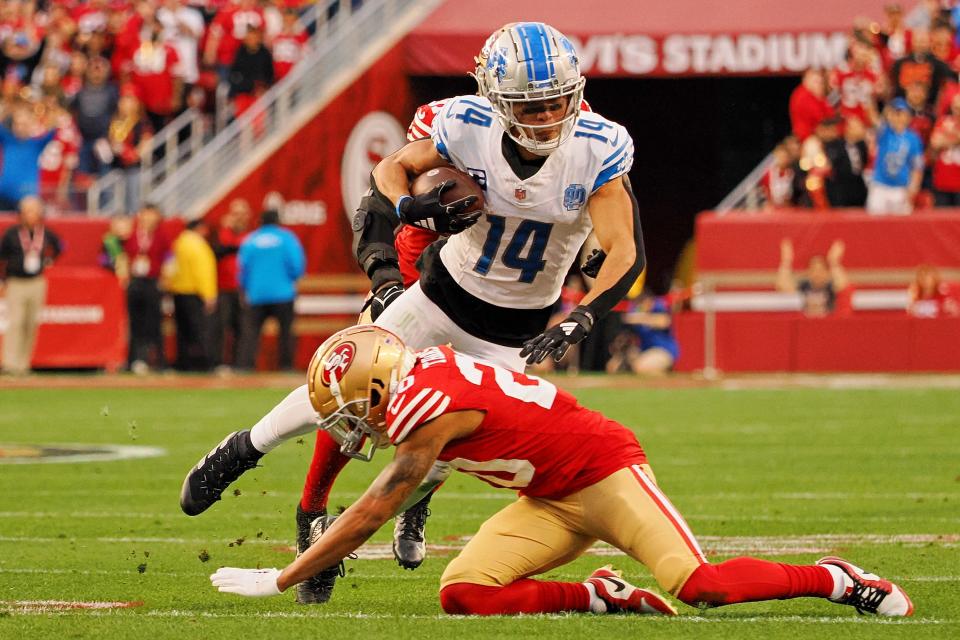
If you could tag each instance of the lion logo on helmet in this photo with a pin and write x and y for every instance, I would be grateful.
(337, 363)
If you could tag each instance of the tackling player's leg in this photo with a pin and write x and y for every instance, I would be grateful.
(648, 527)
(627, 510)
(489, 577)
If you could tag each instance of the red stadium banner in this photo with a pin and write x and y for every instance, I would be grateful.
(83, 323)
(743, 241)
(652, 38)
(656, 56)
(316, 178)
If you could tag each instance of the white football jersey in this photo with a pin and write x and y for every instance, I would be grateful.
(518, 254)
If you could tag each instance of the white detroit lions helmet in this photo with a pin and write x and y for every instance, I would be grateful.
(527, 62)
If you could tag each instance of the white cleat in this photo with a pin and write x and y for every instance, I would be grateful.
(869, 593)
(621, 596)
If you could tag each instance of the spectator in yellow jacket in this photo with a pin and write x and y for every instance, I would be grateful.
(191, 277)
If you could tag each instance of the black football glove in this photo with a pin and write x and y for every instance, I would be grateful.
(383, 298)
(557, 339)
(426, 212)
(591, 266)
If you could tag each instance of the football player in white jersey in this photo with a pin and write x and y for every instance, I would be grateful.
(550, 173)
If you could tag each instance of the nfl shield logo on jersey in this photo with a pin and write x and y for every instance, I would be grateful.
(520, 193)
(574, 196)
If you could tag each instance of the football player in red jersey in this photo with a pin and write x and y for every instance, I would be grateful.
(581, 477)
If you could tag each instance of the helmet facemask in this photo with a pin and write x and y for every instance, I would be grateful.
(530, 62)
(351, 379)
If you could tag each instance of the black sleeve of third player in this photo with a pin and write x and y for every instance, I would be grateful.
(609, 298)
(373, 230)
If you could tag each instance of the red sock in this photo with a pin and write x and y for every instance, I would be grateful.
(522, 596)
(750, 579)
(324, 469)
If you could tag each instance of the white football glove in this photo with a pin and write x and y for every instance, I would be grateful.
(253, 583)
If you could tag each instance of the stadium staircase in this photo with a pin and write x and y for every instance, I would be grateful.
(350, 36)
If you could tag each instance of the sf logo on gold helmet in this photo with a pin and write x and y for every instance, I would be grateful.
(337, 363)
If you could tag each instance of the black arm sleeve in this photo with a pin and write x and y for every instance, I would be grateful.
(373, 229)
(609, 298)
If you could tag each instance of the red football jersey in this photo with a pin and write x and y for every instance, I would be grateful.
(231, 23)
(288, 50)
(534, 437)
(857, 87)
(946, 168)
(153, 71)
(60, 155)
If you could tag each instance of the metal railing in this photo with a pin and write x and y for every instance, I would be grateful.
(747, 194)
(345, 43)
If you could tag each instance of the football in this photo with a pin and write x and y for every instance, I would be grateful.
(465, 185)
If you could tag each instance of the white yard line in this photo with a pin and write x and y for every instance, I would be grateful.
(683, 619)
(719, 545)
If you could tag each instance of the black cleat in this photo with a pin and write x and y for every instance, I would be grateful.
(310, 526)
(216, 471)
(409, 547)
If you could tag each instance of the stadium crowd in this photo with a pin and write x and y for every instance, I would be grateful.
(85, 84)
(882, 129)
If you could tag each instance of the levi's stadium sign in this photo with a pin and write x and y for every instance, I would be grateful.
(716, 54)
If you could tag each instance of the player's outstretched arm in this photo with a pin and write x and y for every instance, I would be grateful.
(414, 458)
(616, 222)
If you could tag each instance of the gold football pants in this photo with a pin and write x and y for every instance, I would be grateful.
(534, 535)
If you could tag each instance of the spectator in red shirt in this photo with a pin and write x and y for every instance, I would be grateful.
(290, 45)
(227, 31)
(234, 227)
(858, 83)
(808, 104)
(146, 249)
(124, 25)
(930, 297)
(156, 75)
(945, 146)
(59, 158)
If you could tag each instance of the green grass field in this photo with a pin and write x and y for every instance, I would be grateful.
(789, 474)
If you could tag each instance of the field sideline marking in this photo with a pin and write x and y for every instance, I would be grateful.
(360, 575)
(51, 606)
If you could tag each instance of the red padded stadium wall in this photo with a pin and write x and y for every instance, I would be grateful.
(855, 341)
(878, 341)
(307, 166)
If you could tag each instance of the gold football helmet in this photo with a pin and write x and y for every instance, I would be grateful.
(351, 379)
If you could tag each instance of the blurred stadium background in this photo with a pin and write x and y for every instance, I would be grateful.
(738, 110)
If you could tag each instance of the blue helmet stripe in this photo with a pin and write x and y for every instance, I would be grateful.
(545, 37)
(533, 38)
(526, 51)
